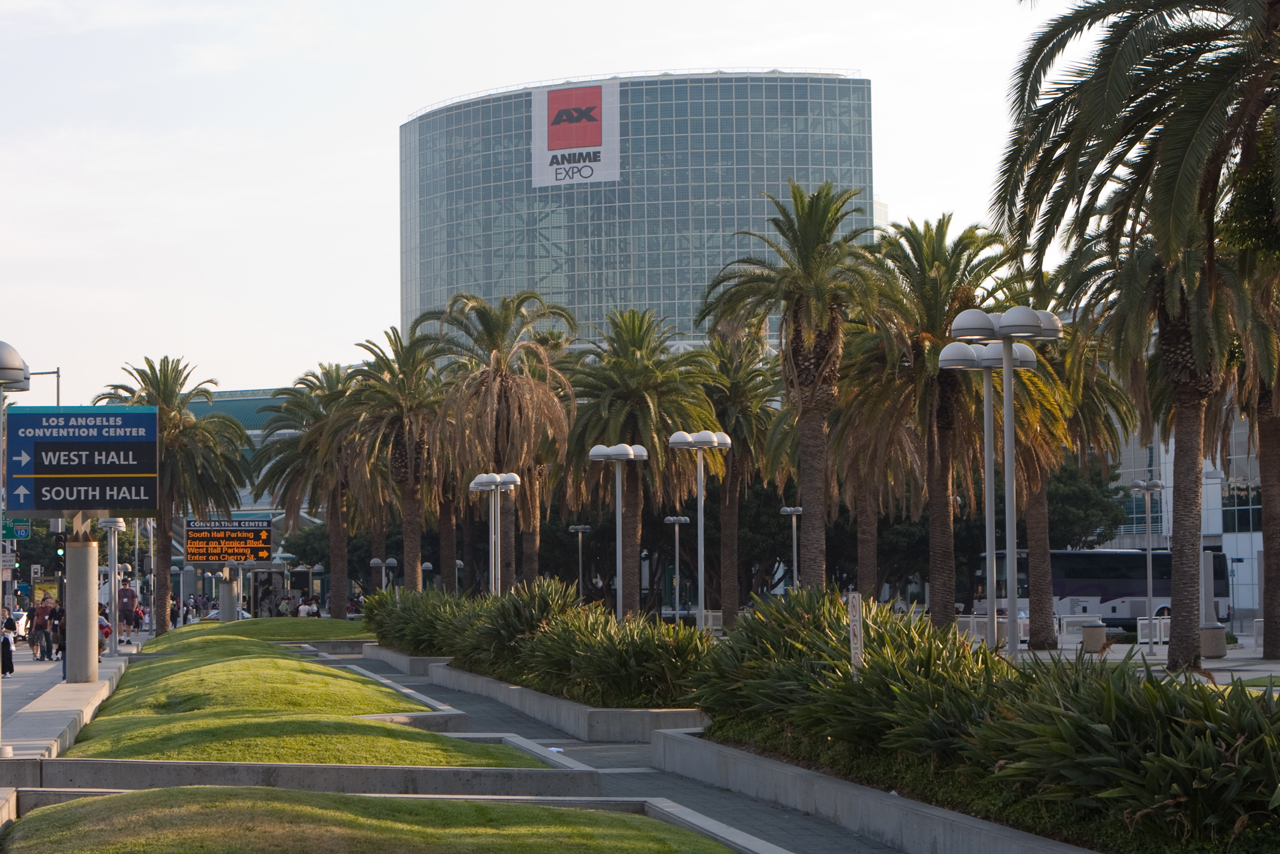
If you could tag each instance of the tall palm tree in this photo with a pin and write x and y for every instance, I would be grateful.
(1173, 95)
(635, 390)
(301, 465)
(507, 403)
(1139, 295)
(937, 277)
(743, 401)
(814, 278)
(202, 464)
(391, 413)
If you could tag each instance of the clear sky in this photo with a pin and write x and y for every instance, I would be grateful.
(219, 180)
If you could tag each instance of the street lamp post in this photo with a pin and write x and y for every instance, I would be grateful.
(580, 530)
(618, 454)
(495, 485)
(999, 330)
(699, 442)
(794, 512)
(675, 581)
(113, 527)
(375, 565)
(1147, 488)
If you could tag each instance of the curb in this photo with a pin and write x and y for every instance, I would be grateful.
(409, 665)
(633, 726)
(900, 823)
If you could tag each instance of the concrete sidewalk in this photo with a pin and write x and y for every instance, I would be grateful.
(628, 773)
(42, 715)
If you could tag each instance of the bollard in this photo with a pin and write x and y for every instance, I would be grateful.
(228, 602)
(1095, 635)
(82, 603)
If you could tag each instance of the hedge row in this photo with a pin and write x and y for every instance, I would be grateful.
(539, 637)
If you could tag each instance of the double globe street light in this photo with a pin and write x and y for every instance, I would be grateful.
(675, 576)
(495, 485)
(699, 442)
(618, 454)
(999, 332)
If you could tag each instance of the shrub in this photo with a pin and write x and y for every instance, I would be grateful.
(589, 657)
(1174, 755)
(489, 640)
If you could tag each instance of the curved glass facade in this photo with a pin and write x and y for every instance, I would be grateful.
(694, 154)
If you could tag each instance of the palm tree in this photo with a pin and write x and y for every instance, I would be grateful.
(202, 464)
(814, 280)
(635, 390)
(507, 403)
(391, 413)
(743, 401)
(937, 278)
(301, 465)
(1174, 94)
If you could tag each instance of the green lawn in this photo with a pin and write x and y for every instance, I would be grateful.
(212, 820)
(268, 629)
(222, 698)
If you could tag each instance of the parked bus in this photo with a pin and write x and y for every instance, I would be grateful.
(1111, 583)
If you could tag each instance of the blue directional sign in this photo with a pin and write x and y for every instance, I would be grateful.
(65, 459)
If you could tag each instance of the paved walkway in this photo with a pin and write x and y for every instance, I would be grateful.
(1244, 663)
(30, 681)
(627, 773)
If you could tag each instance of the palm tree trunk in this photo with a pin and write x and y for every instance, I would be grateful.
(1269, 472)
(507, 574)
(411, 513)
(730, 571)
(813, 498)
(336, 523)
(868, 519)
(531, 537)
(1184, 542)
(160, 568)
(448, 547)
(1039, 571)
(468, 548)
(632, 511)
(942, 555)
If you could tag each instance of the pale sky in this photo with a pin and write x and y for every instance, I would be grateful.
(219, 180)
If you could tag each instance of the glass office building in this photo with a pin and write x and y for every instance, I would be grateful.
(624, 192)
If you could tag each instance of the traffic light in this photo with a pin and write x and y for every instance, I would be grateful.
(59, 553)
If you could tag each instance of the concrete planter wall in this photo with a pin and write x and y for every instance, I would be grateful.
(410, 665)
(581, 722)
(368, 779)
(908, 826)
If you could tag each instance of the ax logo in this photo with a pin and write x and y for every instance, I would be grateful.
(574, 118)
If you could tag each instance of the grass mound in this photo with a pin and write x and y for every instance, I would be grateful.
(222, 698)
(267, 629)
(215, 820)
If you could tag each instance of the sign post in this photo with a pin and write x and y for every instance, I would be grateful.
(855, 631)
(82, 462)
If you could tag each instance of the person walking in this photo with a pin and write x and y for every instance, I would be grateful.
(29, 629)
(9, 629)
(126, 605)
(58, 628)
(43, 637)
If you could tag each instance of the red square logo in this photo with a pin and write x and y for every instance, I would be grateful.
(573, 118)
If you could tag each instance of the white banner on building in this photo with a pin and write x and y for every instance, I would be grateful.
(575, 134)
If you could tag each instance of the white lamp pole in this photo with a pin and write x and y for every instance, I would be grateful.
(1146, 488)
(113, 527)
(1000, 330)
(495, 485)
(618, 454)
(699, 442)
(794, 512)
(580, 530)
(675, 583)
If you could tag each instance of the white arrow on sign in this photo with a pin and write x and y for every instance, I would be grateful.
(22, 494)
(22, 460)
